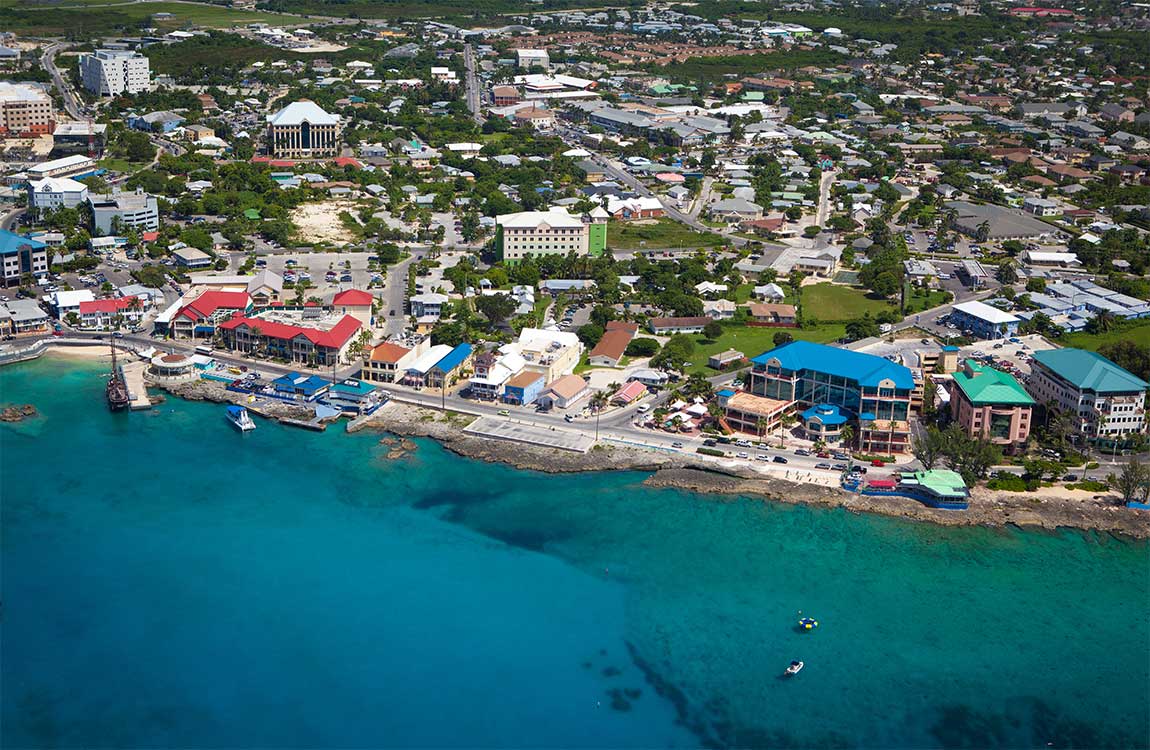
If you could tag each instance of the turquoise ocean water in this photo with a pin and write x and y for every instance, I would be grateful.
(168, 582)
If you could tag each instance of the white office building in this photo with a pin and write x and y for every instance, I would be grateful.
(52, 193)
(532, 58)
(118, 212)
(111, 72)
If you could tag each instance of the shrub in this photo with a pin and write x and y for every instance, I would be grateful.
(710, 451)
(642, 347)
(1090, 485)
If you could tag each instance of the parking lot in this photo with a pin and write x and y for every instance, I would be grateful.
(328, 272)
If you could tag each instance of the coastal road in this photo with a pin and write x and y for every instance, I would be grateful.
(48, 60)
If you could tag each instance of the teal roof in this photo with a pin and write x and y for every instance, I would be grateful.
(986, 385)
(1089, 371)
(866, 369)
(942, 482)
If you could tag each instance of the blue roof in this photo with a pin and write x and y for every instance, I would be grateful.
(10, 242)
(726, 393)
(453, 358)
(867, 369)
(304, 383)
(828, 414)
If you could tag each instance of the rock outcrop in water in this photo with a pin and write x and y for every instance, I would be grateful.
(18, 413)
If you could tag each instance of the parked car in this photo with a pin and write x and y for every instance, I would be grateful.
(779, 459)
(877, 462)
(823, 465)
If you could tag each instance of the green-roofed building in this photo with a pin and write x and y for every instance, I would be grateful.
(252, 213)
(991, 405)
(938, 488)
(1107, 402)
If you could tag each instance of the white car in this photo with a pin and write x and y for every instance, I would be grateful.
(744, 454)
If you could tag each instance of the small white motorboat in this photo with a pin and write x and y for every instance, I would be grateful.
(794, 668)
(240, 418)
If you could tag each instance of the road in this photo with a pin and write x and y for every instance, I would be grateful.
(824, 209)
(10, 218)
(471, 84)
(48, 60)
(395, 298)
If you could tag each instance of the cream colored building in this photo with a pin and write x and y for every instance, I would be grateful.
(302, 130)
(25, 110)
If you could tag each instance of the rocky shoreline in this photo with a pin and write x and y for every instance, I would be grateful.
(678, 471)
(1084, 511)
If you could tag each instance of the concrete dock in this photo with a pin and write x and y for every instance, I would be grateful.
(502, 428)
(133, 374)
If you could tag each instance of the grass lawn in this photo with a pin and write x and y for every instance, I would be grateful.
(1139, 333)
(659, 235)
(753, 341)
(933, 298)
(828, 301)
(121, 165)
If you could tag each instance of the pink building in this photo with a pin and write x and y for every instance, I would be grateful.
(991, 405)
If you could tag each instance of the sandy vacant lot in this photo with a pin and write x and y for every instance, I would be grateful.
(319, 222)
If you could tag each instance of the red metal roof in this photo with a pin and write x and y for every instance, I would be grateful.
(335, 338)
(106, 305)
(345, 161)
(209, 302)
(353, 298)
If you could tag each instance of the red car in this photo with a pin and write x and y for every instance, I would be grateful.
(824, 454)
(877, 462)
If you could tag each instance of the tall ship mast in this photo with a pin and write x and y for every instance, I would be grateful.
(116, 390)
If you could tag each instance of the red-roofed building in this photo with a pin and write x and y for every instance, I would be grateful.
(355, 302)
(307, 346)
(347, 161)
(111, 313)
(149, 236)
(200, 317)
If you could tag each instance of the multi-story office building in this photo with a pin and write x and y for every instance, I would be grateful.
(984, 321)
(991, 405)
(52, 193)
(25, 110)
(871, 393)
(118, 212)
(1106, 401)
(302, 130)
(20, 255)
(111, 72)
(551, 232)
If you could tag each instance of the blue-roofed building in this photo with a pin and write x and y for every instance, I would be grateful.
(20, 255)
(300, 387)
(824, 422)
(872, 391)
(447, 369)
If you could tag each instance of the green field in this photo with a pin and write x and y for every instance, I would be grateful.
(78, 22)
(662, 234)
(828, 301)
(753, 341)
(1138, 332)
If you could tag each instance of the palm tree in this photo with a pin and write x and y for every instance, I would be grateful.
(786, 422)
(598, 403)
(762, 423)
